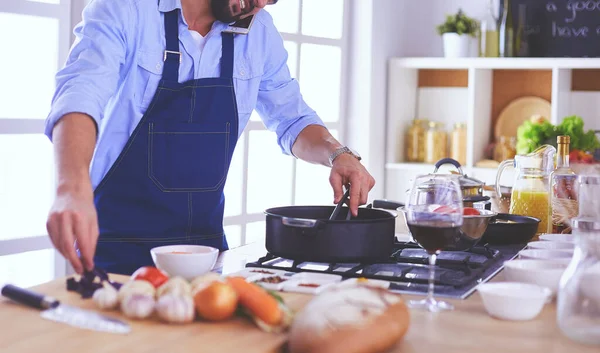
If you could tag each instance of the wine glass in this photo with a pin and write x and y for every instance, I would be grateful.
(434, 214)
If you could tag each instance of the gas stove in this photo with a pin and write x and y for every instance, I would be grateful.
(457, 273)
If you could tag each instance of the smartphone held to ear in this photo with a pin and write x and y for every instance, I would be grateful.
(242, 26)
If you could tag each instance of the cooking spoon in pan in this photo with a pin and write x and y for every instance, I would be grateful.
(338, 208)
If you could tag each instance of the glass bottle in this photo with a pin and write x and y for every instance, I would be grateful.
(488, 40)
(506, 33)
(563, 183)
(436, 146)
(415, 141)
(521, 39)
(589, 195)
(458, 144)
(506, 148)
(578, 299)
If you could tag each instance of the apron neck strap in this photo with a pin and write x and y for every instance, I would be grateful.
(227, 55)
(172, 56)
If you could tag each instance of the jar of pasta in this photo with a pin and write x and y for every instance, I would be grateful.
(436, 142)
(415, 141)
(458, 145)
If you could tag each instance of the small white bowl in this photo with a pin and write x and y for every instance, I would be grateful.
(541, 272)
(552, 245)
(565, 238)
(513, 300)
(310, 276)
(540, 254)
(306, 286)
(187, 261)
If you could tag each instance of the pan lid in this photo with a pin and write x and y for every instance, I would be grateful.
(464, 180)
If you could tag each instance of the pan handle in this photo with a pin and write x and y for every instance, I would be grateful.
(444, 161)
(299, 222)
(387, 205)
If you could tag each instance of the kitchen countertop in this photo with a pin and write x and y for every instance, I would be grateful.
(466, 329)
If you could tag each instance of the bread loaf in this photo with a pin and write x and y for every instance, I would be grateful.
(357, 319)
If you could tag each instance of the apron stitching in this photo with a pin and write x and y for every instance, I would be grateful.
(188, 132)
(184, 87)
(161, 240)
(115, 165)
(193, 105)
(189, 230)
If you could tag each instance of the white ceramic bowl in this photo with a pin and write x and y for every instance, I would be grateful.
(541, 272)
(552, 245)
(513, 300)
(565, 238)
(187, 261)
(541, 254)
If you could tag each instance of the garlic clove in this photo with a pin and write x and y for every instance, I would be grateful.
(136, 287)
(175, 285)
(177, 309)
(137, 306)
(106, 298)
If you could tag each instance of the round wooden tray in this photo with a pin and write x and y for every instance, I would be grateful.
(517, 112)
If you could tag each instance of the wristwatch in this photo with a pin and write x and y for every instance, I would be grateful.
(341, 151)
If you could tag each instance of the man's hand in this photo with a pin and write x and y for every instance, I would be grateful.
(73, 222)
(347, 170)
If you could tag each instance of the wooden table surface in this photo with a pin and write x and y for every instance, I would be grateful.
(466, 329)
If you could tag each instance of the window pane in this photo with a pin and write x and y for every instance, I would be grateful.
(269, 173)
(323, 18)
(47, 1)
(285, 15)
(235, 179)
(320, 67)
(27, 269)
(234, 236)
(255, 232)
(27, 65)
(312, 183)
(26, 185)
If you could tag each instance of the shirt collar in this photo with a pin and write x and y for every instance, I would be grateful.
(169, 5)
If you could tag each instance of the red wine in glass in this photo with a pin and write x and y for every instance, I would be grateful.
(433, 236)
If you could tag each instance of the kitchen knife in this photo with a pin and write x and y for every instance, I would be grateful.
(55, 311)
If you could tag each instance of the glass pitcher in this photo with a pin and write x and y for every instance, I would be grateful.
(530, 191)
(578, 300)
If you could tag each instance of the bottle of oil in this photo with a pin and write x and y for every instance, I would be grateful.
(488, 40)
(563, 189)
(506, 33)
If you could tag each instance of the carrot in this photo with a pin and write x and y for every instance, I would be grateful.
(257, 300)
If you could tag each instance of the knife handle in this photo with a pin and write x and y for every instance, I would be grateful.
(29, 298)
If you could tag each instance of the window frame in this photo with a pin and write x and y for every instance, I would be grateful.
(67, 12)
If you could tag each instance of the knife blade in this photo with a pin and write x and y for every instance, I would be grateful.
(55, 311)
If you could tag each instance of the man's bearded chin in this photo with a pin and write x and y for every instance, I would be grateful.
(222, 11)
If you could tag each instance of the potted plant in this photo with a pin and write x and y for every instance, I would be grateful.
(457, 33)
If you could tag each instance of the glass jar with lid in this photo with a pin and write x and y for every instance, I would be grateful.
(506, 148)
(436, 145)
(415, 141)
(458, 145)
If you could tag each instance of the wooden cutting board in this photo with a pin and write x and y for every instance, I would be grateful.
(23, 330)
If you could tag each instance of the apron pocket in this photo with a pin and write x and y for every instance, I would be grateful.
(188, 157)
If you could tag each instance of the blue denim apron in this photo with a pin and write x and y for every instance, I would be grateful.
(166, 186)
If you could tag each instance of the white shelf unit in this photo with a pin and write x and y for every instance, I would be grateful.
(471, 104)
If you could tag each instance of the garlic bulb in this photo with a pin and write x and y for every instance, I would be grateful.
(136, 287)
(175, 286)
(106, 297)
(201, 281)
(176, 309)
(137, 306)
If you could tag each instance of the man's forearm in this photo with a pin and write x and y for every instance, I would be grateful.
(74, 138)
(315, 144)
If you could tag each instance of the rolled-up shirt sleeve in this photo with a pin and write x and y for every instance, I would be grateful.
(91, 73)
(280, 103)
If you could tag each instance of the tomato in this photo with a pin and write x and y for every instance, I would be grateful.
(470, 211)
(150, 274)
(445, 209)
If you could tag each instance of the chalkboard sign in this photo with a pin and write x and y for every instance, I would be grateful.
(559, 28)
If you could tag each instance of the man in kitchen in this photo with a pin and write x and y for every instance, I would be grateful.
(145, 118)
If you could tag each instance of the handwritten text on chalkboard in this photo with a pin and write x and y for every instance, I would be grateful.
(568, 29)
